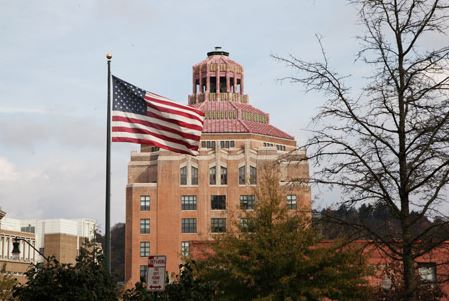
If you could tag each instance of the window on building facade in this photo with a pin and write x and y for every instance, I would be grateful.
(252, 175)
(208, 144)
(183, 175)
(247, 202)
(213, 175)
(194, 171)
(223, 175)
(188, 225)
(242, 174)
(144, 248)
(28, 229)
(144, 202)
(218, 202)
(143, 273)
(280, 147)
(227, 144)
(427, 272)
(291, 201)
(188, 202)
(218, 225)
(244, 224)
(145, 226)
(185, 248)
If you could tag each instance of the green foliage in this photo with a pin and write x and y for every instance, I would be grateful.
(118, 252)
(278, 256)
(87, 280)
(7, 284)
(343, 221)
(186, 287)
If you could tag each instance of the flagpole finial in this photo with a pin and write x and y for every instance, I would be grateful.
(109, 56)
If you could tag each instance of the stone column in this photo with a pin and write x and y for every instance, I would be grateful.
(207, 83)
(217, 82)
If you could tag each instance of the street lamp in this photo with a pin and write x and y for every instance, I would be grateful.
(16, 248)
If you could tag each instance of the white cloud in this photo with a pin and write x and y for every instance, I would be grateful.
(15, 110)
(8, 171)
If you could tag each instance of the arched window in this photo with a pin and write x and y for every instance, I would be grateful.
(242, 174)
(183, 175)
(223, 175)
(194, 175)
(252, 175)
(213, 175)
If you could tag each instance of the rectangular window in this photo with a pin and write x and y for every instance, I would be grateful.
(185, 248)
(242, 173)
(223, 175)
(213, 175)
(144, 202)
(252, 175)
(194, 175)
(218, 225)
(188, 225)
(291, 201)
(143, 273)
(218, 202)
(227, 144)
(144, 248)
(210, 144)
(29, 229)
(188, 202)
(244, 224)
(427, 272)
(145, 226)
(247, 202)
(183, 175)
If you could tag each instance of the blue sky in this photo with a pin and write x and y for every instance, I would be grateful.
(53, 82)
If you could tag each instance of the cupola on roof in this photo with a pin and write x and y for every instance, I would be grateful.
(218, 90)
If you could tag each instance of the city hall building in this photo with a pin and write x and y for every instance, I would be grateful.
(174, 199)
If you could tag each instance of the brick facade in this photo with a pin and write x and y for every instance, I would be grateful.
(173, 193)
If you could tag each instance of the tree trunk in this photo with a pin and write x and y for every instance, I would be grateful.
(409, 272)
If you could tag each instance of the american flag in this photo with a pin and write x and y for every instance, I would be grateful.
(143, 117)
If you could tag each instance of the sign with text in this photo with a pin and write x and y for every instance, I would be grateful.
(156, 273)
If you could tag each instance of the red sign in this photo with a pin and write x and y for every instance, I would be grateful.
(156, 273)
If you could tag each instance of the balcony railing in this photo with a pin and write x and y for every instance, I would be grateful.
(235, 97)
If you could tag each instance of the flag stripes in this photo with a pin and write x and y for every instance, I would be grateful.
(147, 118)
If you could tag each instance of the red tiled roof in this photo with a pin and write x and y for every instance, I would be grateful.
(217, 59)
(265, 129)
(239, 125)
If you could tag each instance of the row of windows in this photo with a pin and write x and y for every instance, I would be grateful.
(223, 144)
(213, 178)
(217, 225)
(188, 225)
(145, 248)
(218, 202)
(193, 175)
(145, 252)
(278, 146)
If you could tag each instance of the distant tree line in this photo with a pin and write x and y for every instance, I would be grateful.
(351, 222)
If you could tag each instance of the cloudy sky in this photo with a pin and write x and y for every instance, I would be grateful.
(53, 82)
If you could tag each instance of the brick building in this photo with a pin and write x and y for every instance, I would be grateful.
(173, 199)
(61, 238)
(8, 263)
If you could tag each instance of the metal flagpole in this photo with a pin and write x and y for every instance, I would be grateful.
(107, 237)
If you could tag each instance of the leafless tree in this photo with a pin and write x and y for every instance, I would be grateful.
(390, 142)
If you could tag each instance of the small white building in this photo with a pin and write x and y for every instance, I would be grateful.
(54, 237)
